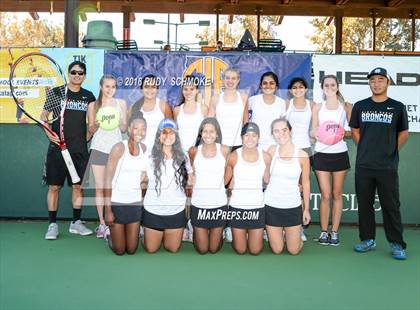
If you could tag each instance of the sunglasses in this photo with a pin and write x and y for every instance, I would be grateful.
(74, 72)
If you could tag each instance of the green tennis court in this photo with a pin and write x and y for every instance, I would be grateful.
(81, 273)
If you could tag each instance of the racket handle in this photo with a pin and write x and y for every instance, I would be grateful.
(70, 166)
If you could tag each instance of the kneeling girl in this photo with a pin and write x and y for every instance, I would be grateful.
(248, 166)
(122, 188)
(284, 215)
(167, 172)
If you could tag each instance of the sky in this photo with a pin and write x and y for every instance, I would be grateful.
(294, 31)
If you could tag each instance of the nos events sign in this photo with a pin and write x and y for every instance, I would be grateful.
(93, 58)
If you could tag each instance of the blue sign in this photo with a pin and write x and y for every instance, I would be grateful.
(130, 67)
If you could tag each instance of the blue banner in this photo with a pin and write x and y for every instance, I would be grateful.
(170, 68)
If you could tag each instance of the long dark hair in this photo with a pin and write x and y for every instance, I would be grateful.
(189, 80)
(147, 79)
(178, 163)
(272, 75)
(98, 102)
(293, 82)
(212, 121)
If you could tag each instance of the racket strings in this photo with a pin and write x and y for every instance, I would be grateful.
(38, 87)
(54, 102)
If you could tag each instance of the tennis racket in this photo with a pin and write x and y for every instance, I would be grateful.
(39, 89)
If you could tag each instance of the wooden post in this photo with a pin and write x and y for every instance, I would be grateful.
(169, 29)
(258, 27)
(374, 33)
(217, 26)
(126, 22)
(338, 21)
(71, 25)
(413, 30)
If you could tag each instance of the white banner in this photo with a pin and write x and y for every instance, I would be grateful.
(352, 70)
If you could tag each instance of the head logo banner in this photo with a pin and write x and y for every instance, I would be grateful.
(170, 68)
(352, 71)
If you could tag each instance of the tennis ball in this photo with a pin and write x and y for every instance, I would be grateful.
(330, 132)
(108, 118)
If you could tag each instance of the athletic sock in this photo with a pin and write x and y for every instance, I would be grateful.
(76, 214)
(52, 216)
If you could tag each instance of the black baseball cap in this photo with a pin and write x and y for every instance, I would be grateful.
(250, 127)
(378, 71)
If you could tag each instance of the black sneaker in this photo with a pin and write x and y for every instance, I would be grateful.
(334, 239)
(324, 238)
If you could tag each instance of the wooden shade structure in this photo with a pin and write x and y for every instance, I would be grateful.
(349, 8)
(375, 9)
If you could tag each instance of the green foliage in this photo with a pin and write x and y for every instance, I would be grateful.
(29, 33)
(391, 35)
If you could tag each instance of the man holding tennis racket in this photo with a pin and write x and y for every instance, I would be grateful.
(74, 132)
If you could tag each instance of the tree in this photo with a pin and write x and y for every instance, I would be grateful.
(391, 34)
(29, 32)
(231, 34)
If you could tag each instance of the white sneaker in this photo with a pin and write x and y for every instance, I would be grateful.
(265, 235)
(188, 232)
(191, 235)
(189, 226)
(141, 233)
(186, 235)
(101, 231)
(107, 233)
(302, 235)
(79, 228)
(52, 232)
(228, 234)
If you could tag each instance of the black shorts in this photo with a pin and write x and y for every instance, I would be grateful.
(56, 170)
(162, 222)
(331, 162)
(98, 158)
(126, 213)
(283, 217)
(213, 218)
(247, 219)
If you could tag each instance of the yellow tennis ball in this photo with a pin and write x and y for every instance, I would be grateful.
(108, 118)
